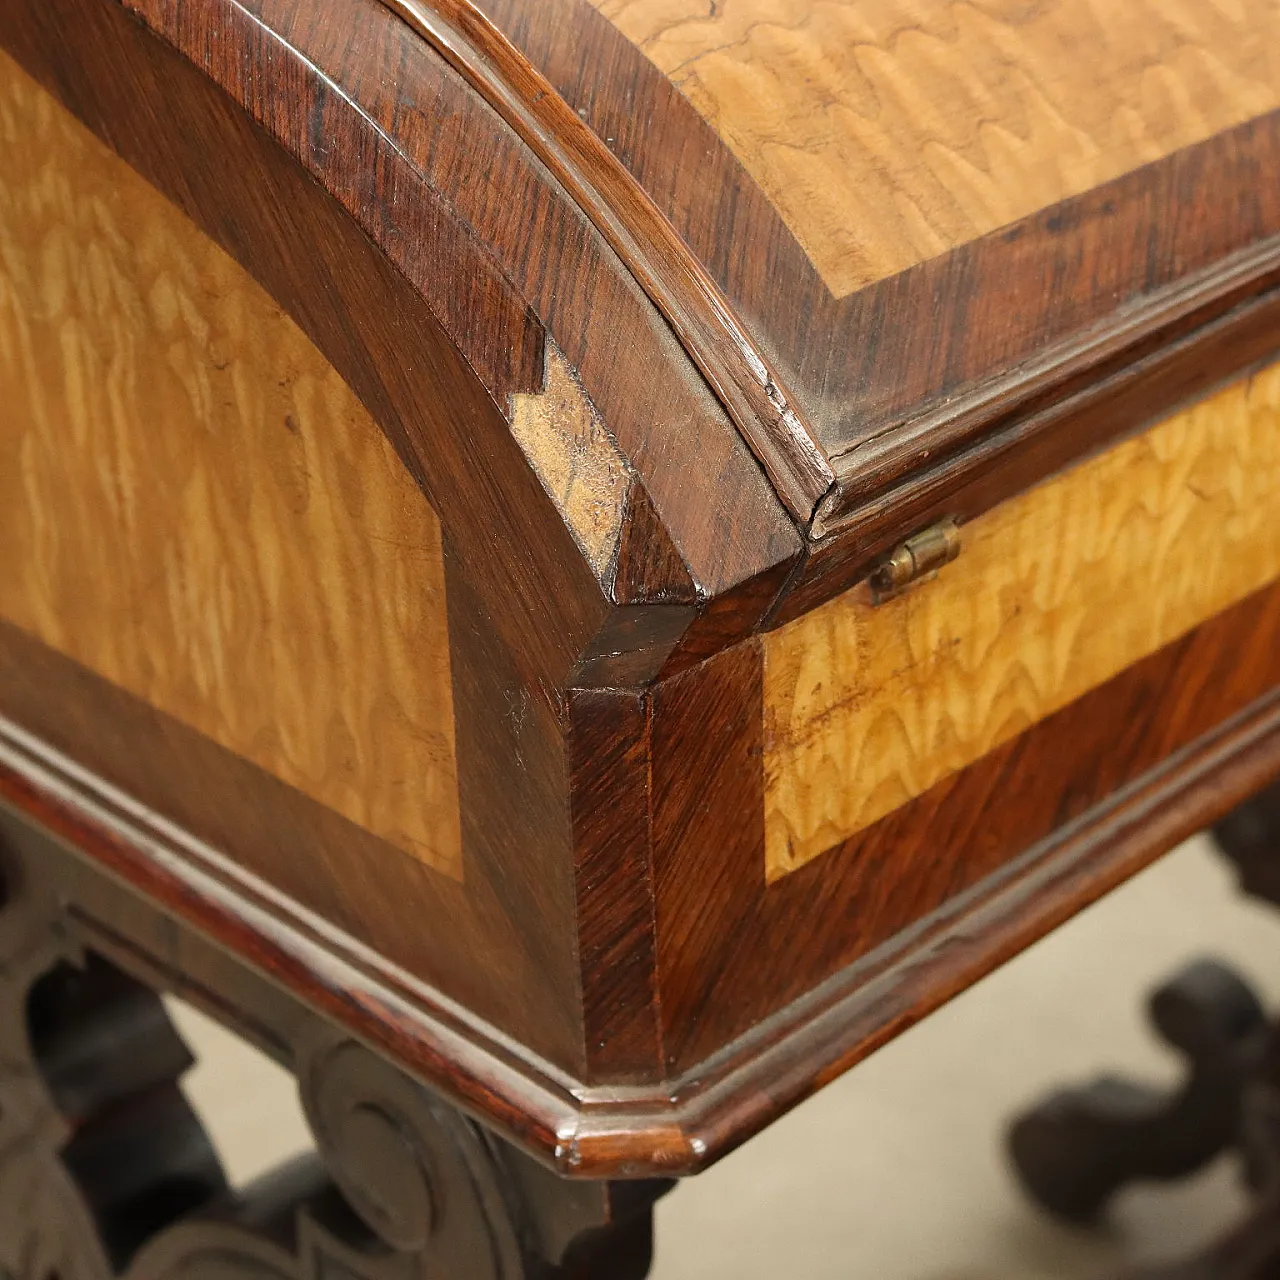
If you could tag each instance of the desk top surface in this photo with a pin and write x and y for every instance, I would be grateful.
(919, 212)
(891, 132)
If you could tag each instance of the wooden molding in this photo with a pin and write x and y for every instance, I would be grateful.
(704, 1113)
(961, 380)
(1068, 399)
(732, 361)
(961, 417)
(438, 202)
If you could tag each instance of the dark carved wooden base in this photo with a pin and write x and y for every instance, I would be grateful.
(1076, 1149)
(105, 1171)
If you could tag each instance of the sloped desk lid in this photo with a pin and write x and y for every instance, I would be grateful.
(796, 278)
(903, 238)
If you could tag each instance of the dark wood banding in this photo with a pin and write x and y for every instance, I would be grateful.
(610, 759)
(1176, 367)
(882, 883)
(245, 191)
(501, 941)
(680, 286)
(919, 385)
(524, 252)
(705, 1113)
(397, 169)
(1184, 339)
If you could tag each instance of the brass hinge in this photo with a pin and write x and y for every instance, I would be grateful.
(916, 560)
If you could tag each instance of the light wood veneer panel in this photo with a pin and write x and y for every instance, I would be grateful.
(1054, 593)
(575, 457)
(887, 132)
(195, 506)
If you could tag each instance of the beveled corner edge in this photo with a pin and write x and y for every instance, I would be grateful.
(668, 1128)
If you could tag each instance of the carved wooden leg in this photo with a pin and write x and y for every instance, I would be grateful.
(1250, 837)
(106, 1172)
(1078, 1148)
(1075, 1150)
(1251, 1251)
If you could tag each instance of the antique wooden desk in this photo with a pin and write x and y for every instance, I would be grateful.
(577, 565)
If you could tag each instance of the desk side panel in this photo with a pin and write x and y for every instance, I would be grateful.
(197, 508)
(1055, 592)
(223, 591)
(824, 793)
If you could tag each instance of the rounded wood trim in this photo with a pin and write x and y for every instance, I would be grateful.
(683, 1126)
(679, 285)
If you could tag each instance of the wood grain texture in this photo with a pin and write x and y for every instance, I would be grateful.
(500, 942)
(213, 918)
(932, 386)
(879, 361)
(1055, 592)
(449, 154)
(576, 459)
(873, 900)
(107, 1171)
(609, 756)
(522, 601)
(496, 264)
(1040, 434)
(728, 355)
(606, 981)
(198, 508)
(887, 133)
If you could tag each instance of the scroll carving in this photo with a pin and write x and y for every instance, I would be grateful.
(106, 1173)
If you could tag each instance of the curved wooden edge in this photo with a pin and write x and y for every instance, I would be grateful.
(392, 129)
(1002, 437)
(625, 214)
(1065, 382)
(918, 386)
(375, 199)
(1148, 277)
(468, 1059)
(683, 1126)
(1011, 436)
(248, 192)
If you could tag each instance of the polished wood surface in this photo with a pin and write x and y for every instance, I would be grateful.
(522, 602)
(558, 296)
(1054, 797)
(107, 1172)
(488, 241)
(924, 393)
(198, 508)
(888, 133)
(867, 707)
(726, 353)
